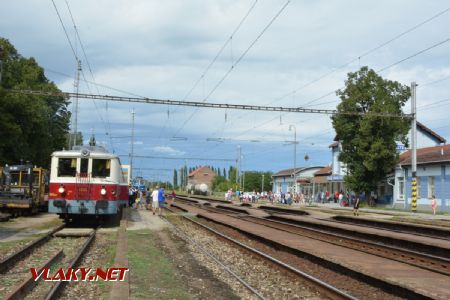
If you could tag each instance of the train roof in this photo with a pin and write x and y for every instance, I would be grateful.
(85, 151)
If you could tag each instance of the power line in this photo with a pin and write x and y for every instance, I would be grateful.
(105, 124)
(355, 59)
(235, 63)
(65, 31)
(180, 158)
(415, 54)
(221, 50)
(202, 104)
(205, 71)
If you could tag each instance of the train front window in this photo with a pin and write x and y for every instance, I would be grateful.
(101, 168)
(84, 166)
(67, 167)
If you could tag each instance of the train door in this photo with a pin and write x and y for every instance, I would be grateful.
(83, 182)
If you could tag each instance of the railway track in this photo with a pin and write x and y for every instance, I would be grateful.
(276, 240)
(48, 252)
(325, 289)
(429, 262)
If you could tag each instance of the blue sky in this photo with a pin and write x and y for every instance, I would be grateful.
(159, 49)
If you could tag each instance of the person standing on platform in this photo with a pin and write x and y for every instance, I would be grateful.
(356, 206)
(433, 204)
(155, 202)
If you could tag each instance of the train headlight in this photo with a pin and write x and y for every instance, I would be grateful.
(61, 189)
(103, 191)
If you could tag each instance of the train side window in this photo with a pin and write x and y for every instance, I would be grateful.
(84, 166)
(67, 167)
(101, 168)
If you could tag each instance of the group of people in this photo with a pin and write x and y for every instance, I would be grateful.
(154, 200)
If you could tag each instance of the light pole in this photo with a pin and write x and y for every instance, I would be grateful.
(295, 155)
(262, 184)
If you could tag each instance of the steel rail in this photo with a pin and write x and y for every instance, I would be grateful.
(325, 288)
(404, 253)
(29, 283)
(11, 259)
(204, 251)
(57, 288)
(146, 100)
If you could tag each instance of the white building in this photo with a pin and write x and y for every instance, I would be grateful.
(388, 190)
(283, 181)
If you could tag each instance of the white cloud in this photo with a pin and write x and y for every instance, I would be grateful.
(167, 150)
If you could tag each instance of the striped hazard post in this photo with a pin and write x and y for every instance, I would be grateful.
(414, 195)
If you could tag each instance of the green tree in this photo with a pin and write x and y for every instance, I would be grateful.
(369, 141)
(31, 126)
(225, 173)
(175, 178)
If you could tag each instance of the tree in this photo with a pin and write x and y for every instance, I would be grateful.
(225, 173)
(369, 141)
(175, 178)
(31, 126)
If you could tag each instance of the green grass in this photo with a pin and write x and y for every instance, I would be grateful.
(152, 275)
(108, 260)
(50, 225)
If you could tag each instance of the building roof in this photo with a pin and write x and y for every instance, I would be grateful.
(334, 144)
(431, 132)
(289, 172)
(324, 171)
(201, 170)
(427, 155)
(419, 125)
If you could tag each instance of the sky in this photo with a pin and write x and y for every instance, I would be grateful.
(232, 52)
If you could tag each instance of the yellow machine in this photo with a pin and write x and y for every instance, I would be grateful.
(23, 189)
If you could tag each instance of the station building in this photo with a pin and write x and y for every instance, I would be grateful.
(393, 189)
(432, 175)
(283, 181)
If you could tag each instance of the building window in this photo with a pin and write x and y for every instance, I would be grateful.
(431, 191)
(401, 187)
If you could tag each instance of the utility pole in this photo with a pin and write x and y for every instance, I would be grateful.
(237, 164)
(262, 183)
(413, 148)
(132, 143)
(75, 110)
(1, 64)
(294, 175)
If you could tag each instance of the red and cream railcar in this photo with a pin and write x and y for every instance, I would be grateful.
(86, 180)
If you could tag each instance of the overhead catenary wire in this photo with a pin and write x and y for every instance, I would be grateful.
(383, 44)
(208, 67)
(106, 124)
(236, 63)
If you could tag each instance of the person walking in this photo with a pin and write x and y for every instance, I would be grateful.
(130, 196)
(433, 204)
(148, 199)
(155, 202)
(161, 199)
(356, 206)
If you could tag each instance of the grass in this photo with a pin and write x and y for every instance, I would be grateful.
(152, 274)
(50, 225)
(108, 259)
